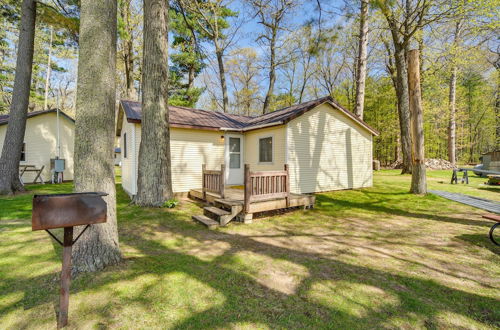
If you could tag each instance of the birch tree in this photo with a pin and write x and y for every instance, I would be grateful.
(362, 58)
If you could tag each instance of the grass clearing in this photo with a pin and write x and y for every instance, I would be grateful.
(368, 258)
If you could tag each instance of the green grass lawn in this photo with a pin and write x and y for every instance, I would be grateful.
(369, 258)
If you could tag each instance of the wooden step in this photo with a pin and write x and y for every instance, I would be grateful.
(210, 223)
(216, 211)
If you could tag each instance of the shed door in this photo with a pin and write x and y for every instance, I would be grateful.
(234, 159)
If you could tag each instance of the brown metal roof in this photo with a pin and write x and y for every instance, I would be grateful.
(204, 119)
(4, 119)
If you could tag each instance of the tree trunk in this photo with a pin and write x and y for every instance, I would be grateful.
(452, 122)
(128, 51)
(94, 132)
(452, 99)
(418, 177)
(403, 107)
(272, 75)
(14, 137)
(362, 55)
(222, 75)
(47, 76)
(154, 178)
(497, 105)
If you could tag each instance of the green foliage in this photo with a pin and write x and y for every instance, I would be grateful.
(365, 258)
(171, 203)
(187, 58)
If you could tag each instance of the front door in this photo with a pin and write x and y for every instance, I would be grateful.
(234, 159)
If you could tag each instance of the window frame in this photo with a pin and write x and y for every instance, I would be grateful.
(272, 149)
(240, 153)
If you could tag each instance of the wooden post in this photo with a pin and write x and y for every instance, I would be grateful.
(287, 186)
(65, 277)
(222, 180)
(203, 183)
(248, 188)
(418, 177)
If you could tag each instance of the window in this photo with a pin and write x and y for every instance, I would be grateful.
(124, 145)
(266, 150)
(234, 152)
(23, 153)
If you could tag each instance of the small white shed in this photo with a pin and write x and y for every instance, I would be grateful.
(41, 142)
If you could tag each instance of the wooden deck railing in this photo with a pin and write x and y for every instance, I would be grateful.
(266, 185)
(213, 181)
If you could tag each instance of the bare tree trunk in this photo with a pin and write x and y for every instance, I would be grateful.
(452, 122)
(47, 76)
(497, 116)
(128, 51)
(94, 133)
(222, 74)
(13, 143)
(418, 177)
(154, 180)
(272, 75)
(403, 107)
(452, 100)
(362, 56)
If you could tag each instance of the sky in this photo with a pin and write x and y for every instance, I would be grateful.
(249, 30)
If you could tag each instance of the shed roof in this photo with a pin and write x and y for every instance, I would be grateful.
(4, 119)
(214, 120)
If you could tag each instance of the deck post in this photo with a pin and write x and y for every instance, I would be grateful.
(247, 188)
(203, 184)
(222, 180)
(287, 186)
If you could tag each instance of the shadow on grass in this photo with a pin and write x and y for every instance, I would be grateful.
(248, 300)
(376, 205)
(482, 241)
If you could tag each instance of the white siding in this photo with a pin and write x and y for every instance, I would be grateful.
(251, 154)
(41, 144)
(189, 149)
(128, 163)
(328, 151)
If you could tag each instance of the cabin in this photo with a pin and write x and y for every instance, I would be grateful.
(319, 145)
(48, 136)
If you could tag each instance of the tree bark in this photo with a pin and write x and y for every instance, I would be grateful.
(403, 107)
(128, 51)
(222, 75)
(497, 106)
(272, 74)
(47, 77)
(154, 179)
(418, 177)
(452, 121)
(14, 137)
(452, 100)
(362, 56)
(94, 132)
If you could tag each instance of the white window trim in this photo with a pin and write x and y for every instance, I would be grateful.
(272, 149)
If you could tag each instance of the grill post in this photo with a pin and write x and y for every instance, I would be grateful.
(65, 277)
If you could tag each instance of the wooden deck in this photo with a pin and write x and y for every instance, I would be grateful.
(235, 197)
(262, 191)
